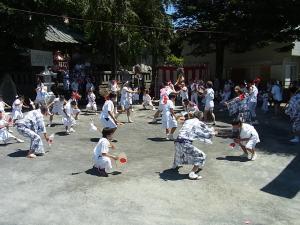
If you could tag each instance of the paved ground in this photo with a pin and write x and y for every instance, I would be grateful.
(60, 188)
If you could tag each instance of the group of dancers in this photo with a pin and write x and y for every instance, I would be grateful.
(196, 125)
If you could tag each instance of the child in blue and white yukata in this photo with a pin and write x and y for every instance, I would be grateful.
(169, 120)
(68, 118)
(5, 136)
(101, 156)
(31, 126)
(293, 111)
(185, 151)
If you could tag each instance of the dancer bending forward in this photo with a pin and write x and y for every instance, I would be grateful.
(185, 151)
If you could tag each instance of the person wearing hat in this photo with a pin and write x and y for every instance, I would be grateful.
(185, 151)
(5, 136)
(31, 126)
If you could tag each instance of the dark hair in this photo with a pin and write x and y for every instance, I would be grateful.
(165, 83)
(107, 131)
(236, 122)
(112, 95)
(185, 100)
(73, 103)
(209, 84)
(146, 91)
(43, 108)
(171, 96)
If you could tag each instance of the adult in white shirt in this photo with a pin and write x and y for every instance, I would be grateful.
(209, 102)
(248, 138)
(107, 117)
(277, 96)
(253, 92)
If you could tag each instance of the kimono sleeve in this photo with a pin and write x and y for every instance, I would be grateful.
(203, 132)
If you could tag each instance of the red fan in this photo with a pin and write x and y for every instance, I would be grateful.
(122, 159)
(76, 95)
(242, 96)
(232, 145)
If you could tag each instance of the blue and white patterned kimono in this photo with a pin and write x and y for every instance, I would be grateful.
(293, 111)
(30, 126)
(185, 152)
(239, 107)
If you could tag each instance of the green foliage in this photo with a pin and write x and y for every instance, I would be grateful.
(242, 24)
(21, 30)
(174, 61)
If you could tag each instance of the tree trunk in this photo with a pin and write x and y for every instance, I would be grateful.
(154, 73)
(219, 59)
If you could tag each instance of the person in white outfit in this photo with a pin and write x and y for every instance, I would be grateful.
(194, 92)
(248, 138)
(253, 92)
(101, 156)
(126, 101)
(184, 93)
(107, 117)
(17, 107)
(68, 119)
(277, 96)
(209, 95)
(91, 101)
(147, 100)
(40, 92)
(3, 105)
(169, 120)
(5, 136)
(164, 93)
(57, 108)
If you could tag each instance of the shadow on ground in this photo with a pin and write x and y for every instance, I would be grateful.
(94, 139)
(172, 174)
(232, 159)
(61, 133)
(18, 153)
(287, 183)
(94, 172)
(157, 139)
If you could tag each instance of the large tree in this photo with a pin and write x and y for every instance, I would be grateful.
(21, 30)
(238, 25)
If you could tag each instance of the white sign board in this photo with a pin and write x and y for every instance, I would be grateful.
(41, 58)
(296, 49)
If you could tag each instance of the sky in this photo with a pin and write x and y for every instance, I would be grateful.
(170, 10)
